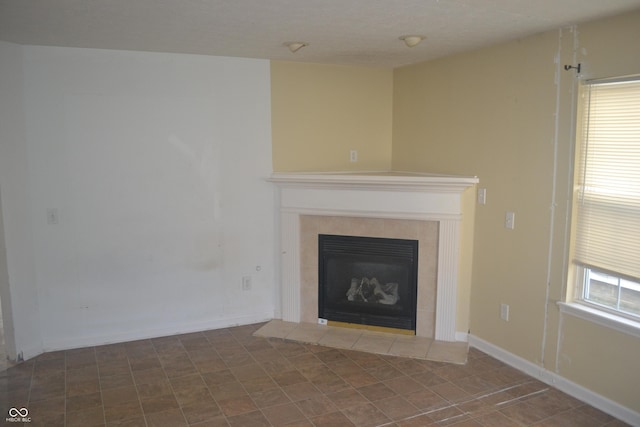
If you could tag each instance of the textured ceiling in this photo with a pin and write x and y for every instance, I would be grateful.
(362, 32)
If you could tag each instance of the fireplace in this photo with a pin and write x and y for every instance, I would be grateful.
(381, 196)
(368, 281)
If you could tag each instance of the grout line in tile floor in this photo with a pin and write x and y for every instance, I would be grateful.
(231, 378)
(506, 402)
(455, 405)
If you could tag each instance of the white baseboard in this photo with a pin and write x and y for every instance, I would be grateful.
(462, 336)
(579, 392)
(26, 353)
(89, 341)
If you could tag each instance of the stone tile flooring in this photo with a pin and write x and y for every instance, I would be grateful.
(229, 377)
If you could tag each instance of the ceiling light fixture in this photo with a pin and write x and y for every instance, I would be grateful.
(295, 46)
(412, 40)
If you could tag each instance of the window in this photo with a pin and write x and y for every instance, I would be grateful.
(610, 291)
(607, 197)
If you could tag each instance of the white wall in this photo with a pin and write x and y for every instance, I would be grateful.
(155, 164)
(17, 276)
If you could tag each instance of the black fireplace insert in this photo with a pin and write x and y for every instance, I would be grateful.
(368, 280)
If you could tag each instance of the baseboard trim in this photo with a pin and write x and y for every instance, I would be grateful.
(89, 341)
(462, 336)
(26, 353)
(576, 390)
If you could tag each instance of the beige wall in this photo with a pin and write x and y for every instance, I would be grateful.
(321, 112)
(505, 114)
(492, 113)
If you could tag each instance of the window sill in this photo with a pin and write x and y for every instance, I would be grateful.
(602, 318)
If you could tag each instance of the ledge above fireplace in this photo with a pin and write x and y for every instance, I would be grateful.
(395, 195)
(399, 180)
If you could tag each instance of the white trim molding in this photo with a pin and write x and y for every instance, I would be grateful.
(462, 336)
(126, 336)
(395, 195)
(555, 380)
(601, 317)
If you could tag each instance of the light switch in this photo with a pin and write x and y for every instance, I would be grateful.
(509, 220)
(482, 196)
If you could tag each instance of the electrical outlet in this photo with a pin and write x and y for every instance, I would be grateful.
(504, 312)
(52, 216)
(246, 283)
(353, 156)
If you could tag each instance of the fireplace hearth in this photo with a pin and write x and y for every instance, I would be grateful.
(368, 281)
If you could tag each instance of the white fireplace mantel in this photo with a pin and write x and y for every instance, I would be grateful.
(395, 195)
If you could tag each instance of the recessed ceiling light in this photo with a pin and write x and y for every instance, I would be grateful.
(412, 40)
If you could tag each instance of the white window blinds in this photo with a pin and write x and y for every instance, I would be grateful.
(608, 179)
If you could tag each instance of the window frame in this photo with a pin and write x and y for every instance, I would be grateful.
(576, 302)
(582, 276)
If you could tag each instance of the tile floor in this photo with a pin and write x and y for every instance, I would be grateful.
(229, 377)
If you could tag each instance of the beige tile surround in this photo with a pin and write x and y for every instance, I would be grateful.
(426, 232)
(410, 346)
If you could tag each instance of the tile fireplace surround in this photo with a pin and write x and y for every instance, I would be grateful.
(376, 204)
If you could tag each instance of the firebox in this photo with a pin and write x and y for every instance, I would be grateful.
(368, 281)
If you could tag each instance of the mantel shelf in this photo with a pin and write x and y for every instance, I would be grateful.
(385, 180)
